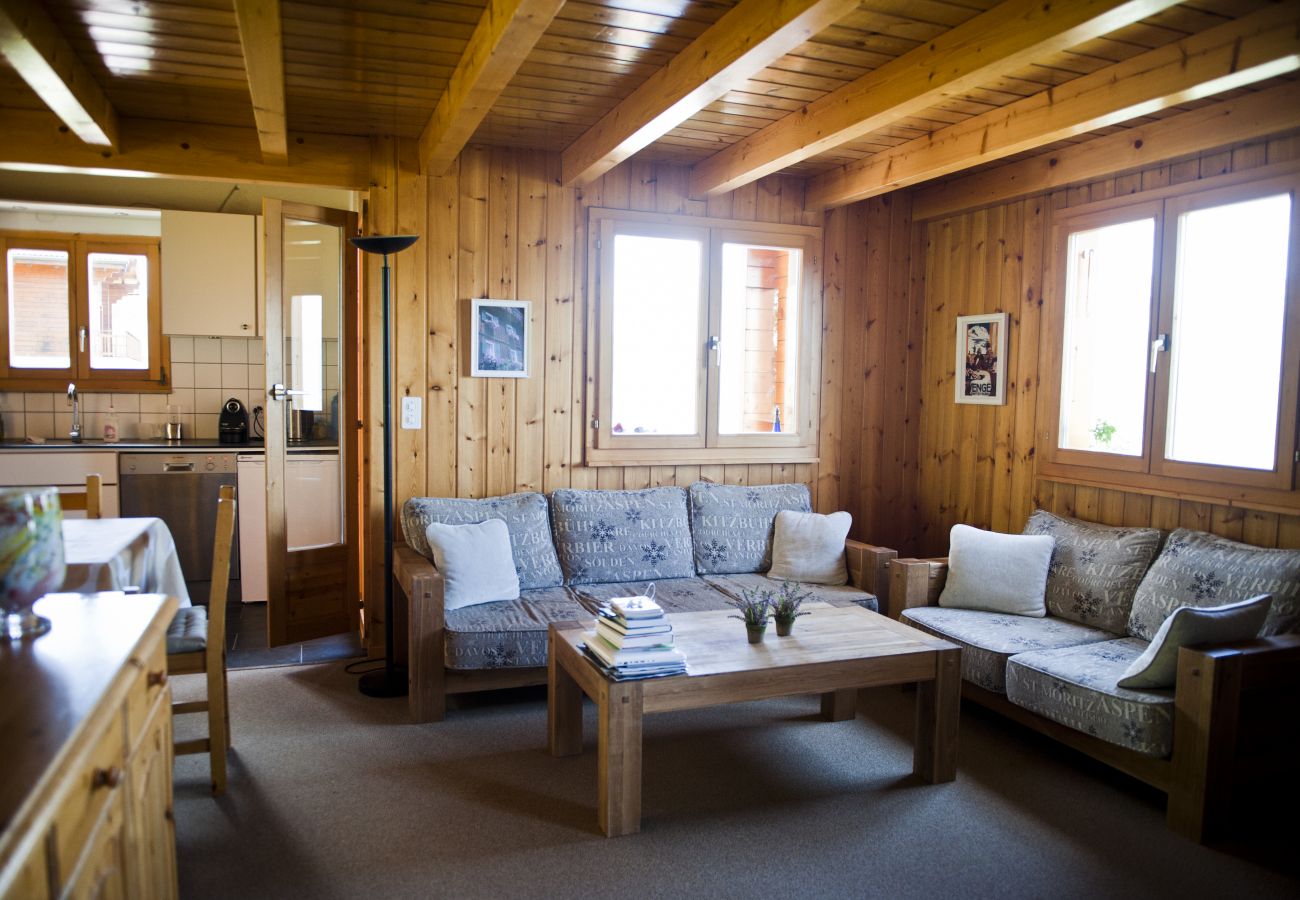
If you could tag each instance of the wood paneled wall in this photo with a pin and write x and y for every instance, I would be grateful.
(500, 225)
(975, 464)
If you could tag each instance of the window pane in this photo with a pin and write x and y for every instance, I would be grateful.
(759, 379)
(1229, 306)
(119, 311)
(657, 340)
(1107, 325)
(38, 309)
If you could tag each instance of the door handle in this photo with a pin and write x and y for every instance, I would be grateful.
(280, 392)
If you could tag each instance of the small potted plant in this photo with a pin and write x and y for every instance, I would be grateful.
(785, 607)
(754, 606)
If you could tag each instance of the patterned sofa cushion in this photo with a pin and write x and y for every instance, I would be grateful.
(508, 633)
(613, 536)
(1095, 569)
(1198, 569)
(732, 585)
(731, 525)
(989, 639)
(675, 595)
(1076, 686)
(526, 519)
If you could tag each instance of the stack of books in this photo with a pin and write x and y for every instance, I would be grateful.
(633, 639)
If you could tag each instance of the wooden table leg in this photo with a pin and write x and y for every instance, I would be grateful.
(840, 706)
(563, 706)
(938, 709)
(618, 805)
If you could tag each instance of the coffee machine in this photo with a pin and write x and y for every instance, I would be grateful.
(232, 428)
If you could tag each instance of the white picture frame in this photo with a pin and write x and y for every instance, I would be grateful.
(499, 338)
(981, 373)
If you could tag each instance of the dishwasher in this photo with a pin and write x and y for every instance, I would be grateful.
(182, 489)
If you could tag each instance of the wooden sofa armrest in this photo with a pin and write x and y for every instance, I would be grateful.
(915, 582)
(1230, 722)
(419, 615)
(869, 569)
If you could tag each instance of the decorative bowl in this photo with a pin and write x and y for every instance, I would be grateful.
(31, 557)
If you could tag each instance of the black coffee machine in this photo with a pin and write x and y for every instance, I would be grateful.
(233, 426)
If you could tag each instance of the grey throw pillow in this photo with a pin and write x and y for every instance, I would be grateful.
(1004, 573)
(732, 525)
(1188, 626)
(611, 536)
(1096, 569)
(527, 519)
(1199, 569)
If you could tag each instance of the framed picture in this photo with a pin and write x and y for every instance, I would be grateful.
(498, 338)
(982, 359)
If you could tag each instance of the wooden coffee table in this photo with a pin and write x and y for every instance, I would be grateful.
(834, 651)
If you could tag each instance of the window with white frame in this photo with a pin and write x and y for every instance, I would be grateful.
(1176, 343)
(704, 333)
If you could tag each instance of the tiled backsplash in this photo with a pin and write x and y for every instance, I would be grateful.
(205, 373)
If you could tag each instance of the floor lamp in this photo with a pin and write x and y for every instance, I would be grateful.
(388, 681)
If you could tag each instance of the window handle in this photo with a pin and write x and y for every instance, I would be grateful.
(715, 344)
(81, 339)
(1158, 346)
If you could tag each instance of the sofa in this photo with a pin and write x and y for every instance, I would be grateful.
(576, 549)
(1108, 591)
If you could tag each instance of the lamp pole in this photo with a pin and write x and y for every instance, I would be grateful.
(388, 681)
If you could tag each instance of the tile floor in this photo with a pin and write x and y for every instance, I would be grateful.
(246, 641)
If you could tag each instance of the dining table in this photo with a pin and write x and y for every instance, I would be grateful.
(131, 554)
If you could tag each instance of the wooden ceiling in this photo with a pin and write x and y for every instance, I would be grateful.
(562, 73)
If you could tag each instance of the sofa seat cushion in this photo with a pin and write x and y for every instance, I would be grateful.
(732, 585)
(508, 634)
(527, 518)
(609, 536)
(988, 639)
(675, 595)
(731, 524)
(1077, 687)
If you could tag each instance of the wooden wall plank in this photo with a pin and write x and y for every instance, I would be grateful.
(472, 269)
(502, 271)
(443, 302)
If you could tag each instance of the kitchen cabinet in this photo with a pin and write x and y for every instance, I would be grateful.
(209, 274)
(66, 470)
(311, 497)
(88, 754)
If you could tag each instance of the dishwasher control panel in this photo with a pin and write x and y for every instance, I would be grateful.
(193, 463)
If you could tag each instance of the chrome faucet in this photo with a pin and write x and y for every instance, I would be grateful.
(75, 433)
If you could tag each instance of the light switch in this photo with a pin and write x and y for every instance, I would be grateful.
(411, 412)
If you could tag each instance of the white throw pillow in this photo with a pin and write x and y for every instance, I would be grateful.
(809, 547)
(1188, 626)
(997, 572)
(475, 562)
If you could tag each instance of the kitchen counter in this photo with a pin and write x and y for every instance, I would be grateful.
(158, 445)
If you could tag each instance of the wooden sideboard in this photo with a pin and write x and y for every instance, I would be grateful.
(86, 738)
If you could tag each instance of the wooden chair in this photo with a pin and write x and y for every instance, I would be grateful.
(91, 500)
(196, 642)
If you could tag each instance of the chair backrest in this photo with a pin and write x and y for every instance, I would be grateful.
(91, 499)
(221, 551)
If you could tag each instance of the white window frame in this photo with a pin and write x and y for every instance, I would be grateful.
(707, 445)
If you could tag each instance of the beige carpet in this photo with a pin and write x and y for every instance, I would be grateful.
(332, 794)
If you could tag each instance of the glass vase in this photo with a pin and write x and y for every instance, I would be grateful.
(31, 556)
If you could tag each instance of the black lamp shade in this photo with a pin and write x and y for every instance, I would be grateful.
(384, 243)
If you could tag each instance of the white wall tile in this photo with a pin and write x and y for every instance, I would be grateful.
(40, 402)
(15, 425)
(234, 376)
(256, 351)
(208, 400)
(40, 424)
(125, 404)
(234, 350)
(182, 349)
(207, 350)
(183, 375)
(62, 424)
(257, 378)
(183, 399)
(207, 375)
(11, 401)
(205, 425)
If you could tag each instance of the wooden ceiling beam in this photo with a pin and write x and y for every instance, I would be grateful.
(154, 147)
(505, 35)
(1246, 118)
(1250, 49)
(32, 44)
(749, 38)
(995, 43)
(262, 38)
